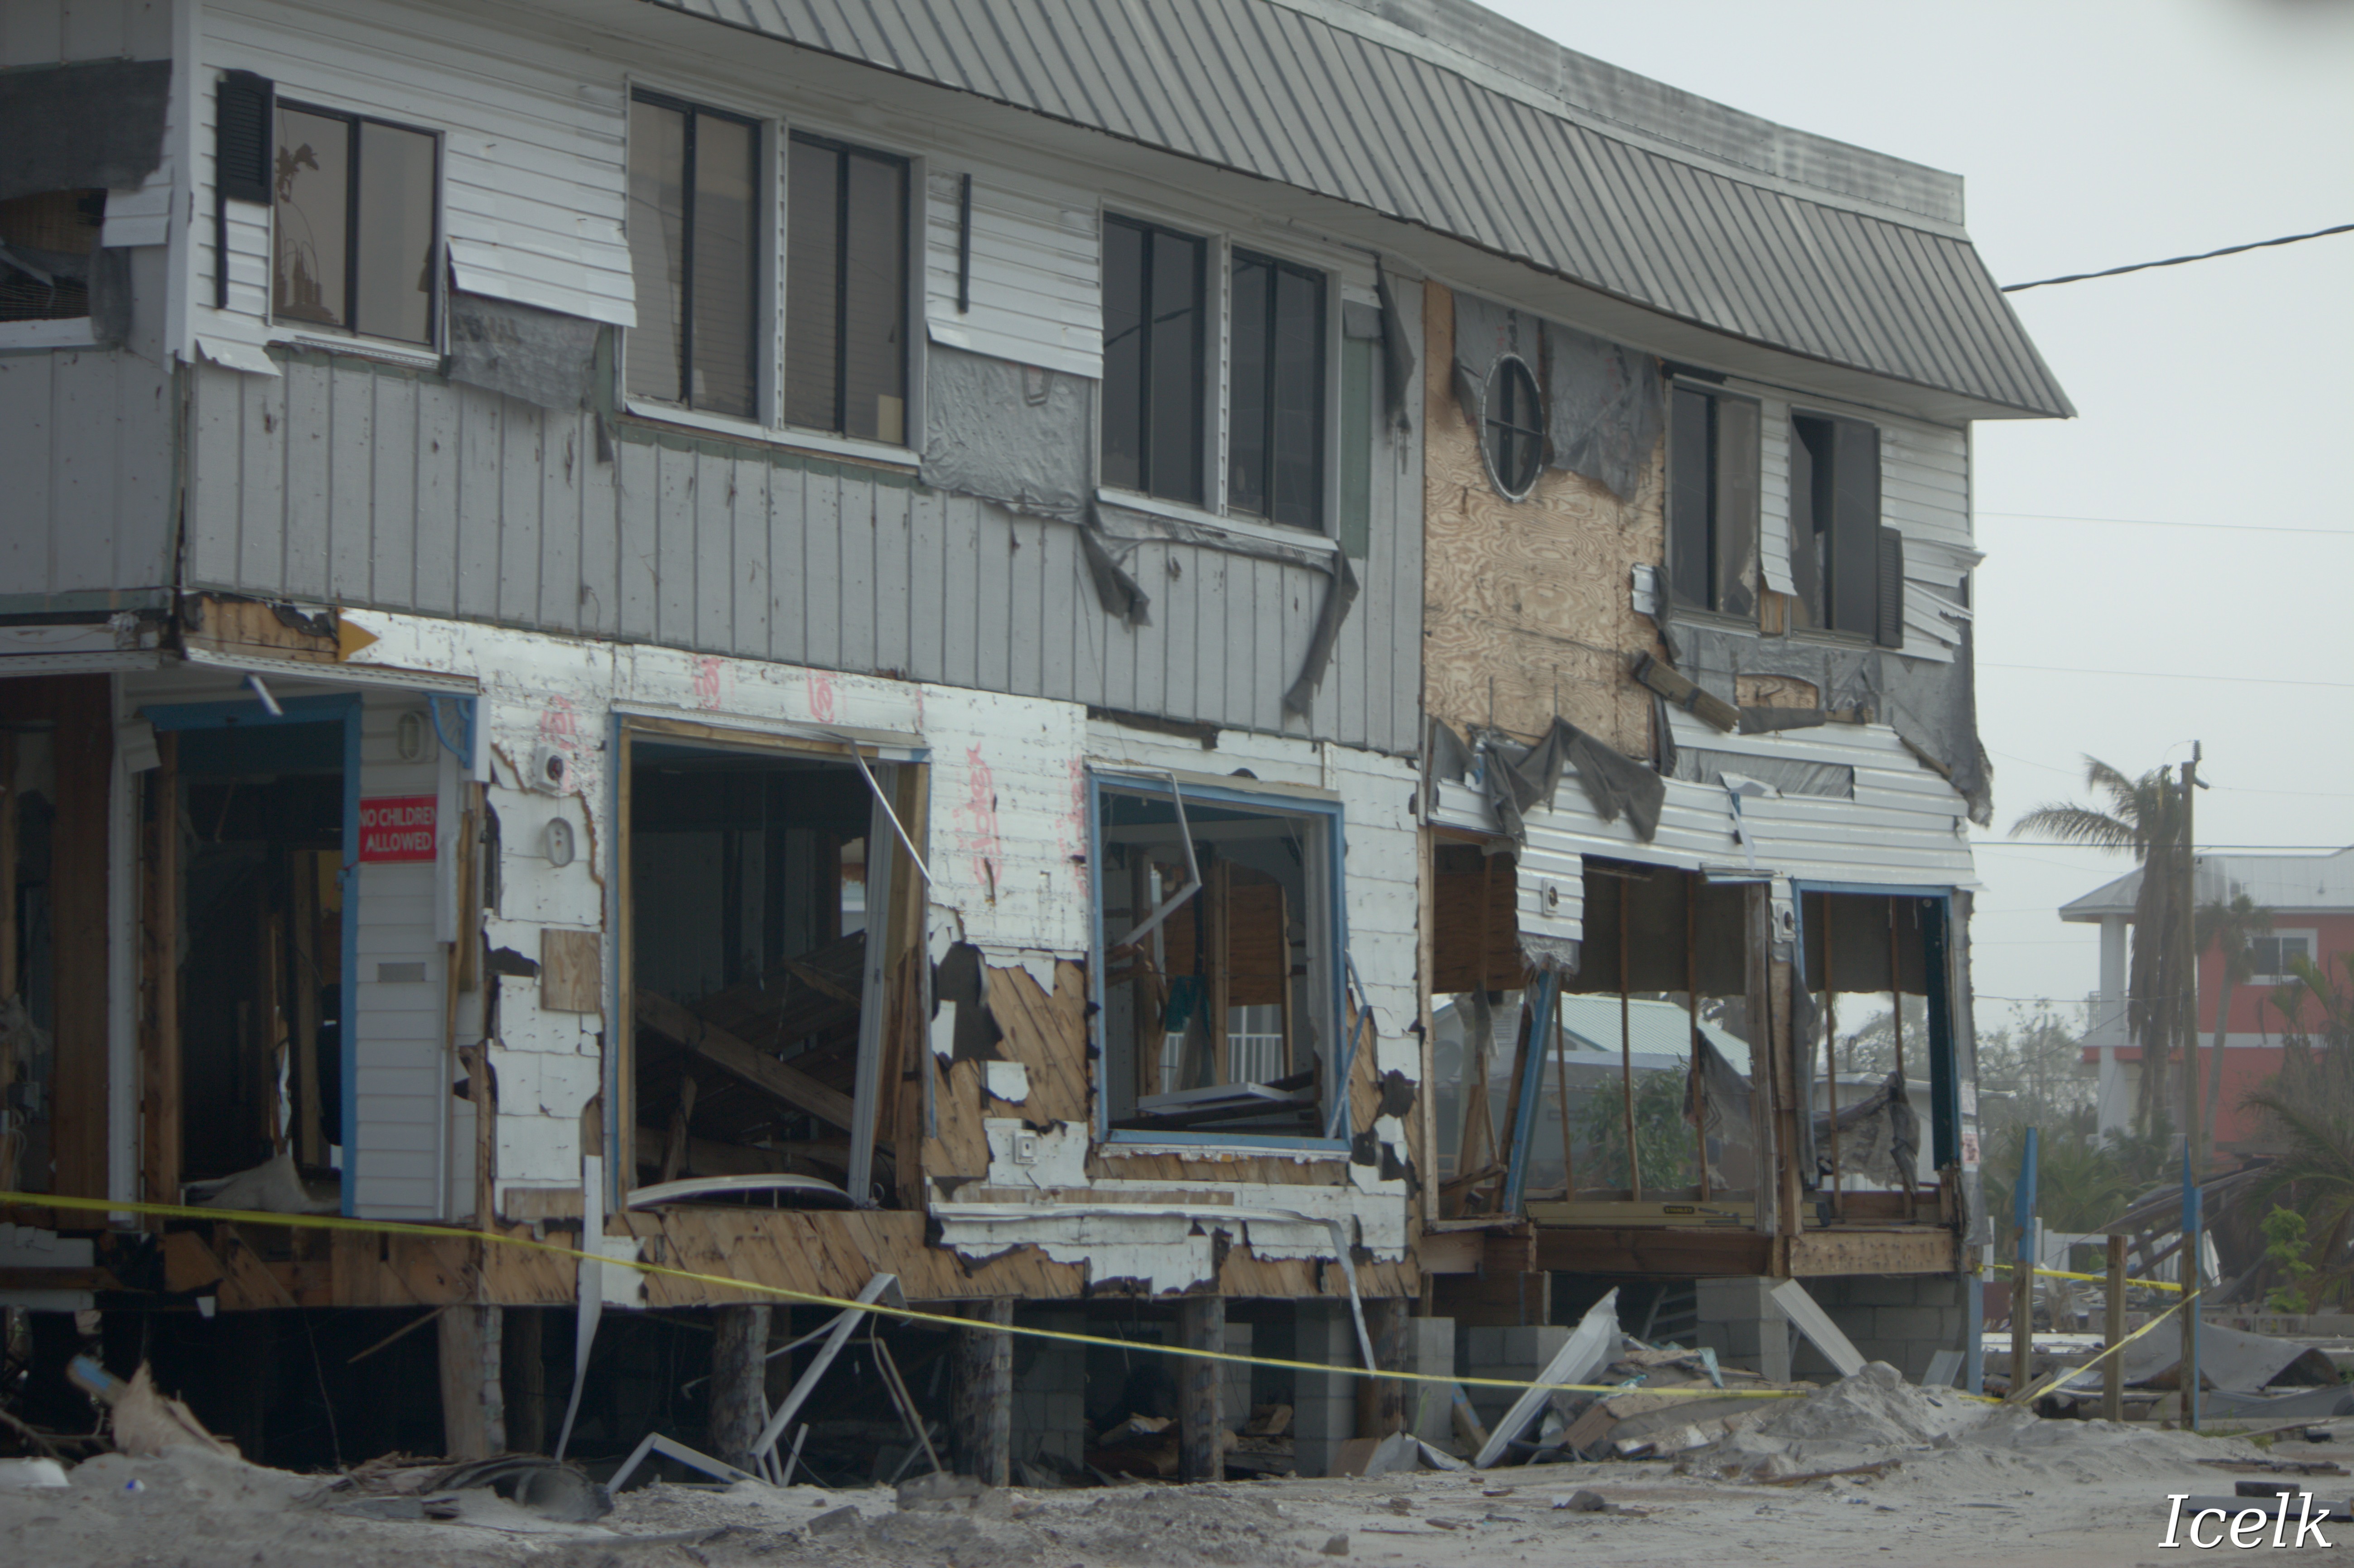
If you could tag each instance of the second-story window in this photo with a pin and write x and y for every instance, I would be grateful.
(1712, 501)
(846, 291)
(1849, 570)
(1155, 336)
(353, 248)
(693, 217)
(1275, 441)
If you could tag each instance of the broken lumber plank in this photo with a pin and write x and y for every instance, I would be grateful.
(730, 1054)
(1817, 1325)
(1685, 693)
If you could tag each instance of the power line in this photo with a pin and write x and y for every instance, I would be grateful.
(2179, 260)
(2203, 848)
(2168, 675)
(2171, 522)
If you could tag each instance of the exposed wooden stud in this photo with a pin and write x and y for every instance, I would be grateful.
(1216, 908)
(80, 937)
(303, 903)
(1561, 1098)
(735, 1056)
(160, 953)
(10, 980)
(1691, 1003)
(1200, 1414)
(1758, 943)
(473, 1401)
(739, 1371)
(477, 1058)
(1896, 992)
(980, 1436)
(1831, 1059)
(271, 979)
(675, 1147)
(1627, 1052)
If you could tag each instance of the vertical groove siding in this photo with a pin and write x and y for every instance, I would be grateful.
(86, 452)
(346, 482)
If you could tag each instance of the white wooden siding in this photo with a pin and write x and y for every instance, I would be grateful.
(533, 182)
(403, 1083)
(1037, 294)
(1904, 827)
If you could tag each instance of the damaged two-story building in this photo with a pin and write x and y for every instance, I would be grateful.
(1102, 660)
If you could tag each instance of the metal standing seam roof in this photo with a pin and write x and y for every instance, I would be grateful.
(2313, 883)
(1265, 88)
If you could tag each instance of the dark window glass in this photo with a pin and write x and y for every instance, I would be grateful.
(355, 243)
(1712, 501)
(846, 291)
(1274, 435)
(48, 233)
(1514, 416)
(1835, 548)
(693, 211)
(1154, 341)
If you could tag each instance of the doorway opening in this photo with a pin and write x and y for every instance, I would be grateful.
(763, 959)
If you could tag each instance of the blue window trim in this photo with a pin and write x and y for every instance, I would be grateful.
(1336, 860)
(345, 707)
(1945, 1060)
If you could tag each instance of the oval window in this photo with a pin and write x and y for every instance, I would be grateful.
(1514, 416)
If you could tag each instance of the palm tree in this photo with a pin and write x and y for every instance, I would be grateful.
(2311, 1105)
(2231, 925)
(2143, 818)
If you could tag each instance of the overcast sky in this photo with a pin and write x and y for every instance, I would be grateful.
(2217, 398)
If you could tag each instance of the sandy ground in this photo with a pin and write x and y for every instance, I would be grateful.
(1988, 1490)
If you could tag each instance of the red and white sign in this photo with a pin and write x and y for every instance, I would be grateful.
(397, 828)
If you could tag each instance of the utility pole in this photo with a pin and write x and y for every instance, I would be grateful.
(2187, 1014)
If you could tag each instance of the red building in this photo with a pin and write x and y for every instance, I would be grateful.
(2311, 898)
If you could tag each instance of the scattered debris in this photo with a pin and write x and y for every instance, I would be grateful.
(1337, 1547)
(144, 1421)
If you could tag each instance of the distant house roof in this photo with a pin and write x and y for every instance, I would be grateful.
(1659, 1031)
(2309, 883)
(1442, 115)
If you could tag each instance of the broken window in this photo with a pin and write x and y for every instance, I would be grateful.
(1275, 440)
(759, 945)
(1155, 335)
(355, 233)
(1848, 569)
(694, 215)
(47, 243)
(1220, 986)
(1712, 501)
(1513, 421)
(846, 291)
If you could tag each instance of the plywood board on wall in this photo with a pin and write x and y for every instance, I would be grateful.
(1528, 609)
(571, 972)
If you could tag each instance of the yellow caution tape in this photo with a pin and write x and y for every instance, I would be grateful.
(934, 1319)
(2064, 1373)
(2095, 1278)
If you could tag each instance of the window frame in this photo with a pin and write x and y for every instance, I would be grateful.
(1210, 457)
(1827, 626)
(437, 311)
(1217, 399)
(1328, 355)
(1716, 394)
(1328, 864)
(1505, 363)
(765, 352)
(914, 214)
(2309, 935)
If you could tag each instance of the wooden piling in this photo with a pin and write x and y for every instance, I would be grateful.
(739, 1406)
(980, 1439)
(1200, 1414)
(473, 1402)
(1381, 1401)
(2113, 1371)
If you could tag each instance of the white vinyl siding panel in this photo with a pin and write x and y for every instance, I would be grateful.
(533, 186)
(402, 1087)
(1037, 288)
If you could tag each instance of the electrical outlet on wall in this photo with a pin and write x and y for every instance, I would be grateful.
(1026, 1148)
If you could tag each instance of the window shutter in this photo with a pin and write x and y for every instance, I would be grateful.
(1890, 632)
(242, 109)
(1855, 524)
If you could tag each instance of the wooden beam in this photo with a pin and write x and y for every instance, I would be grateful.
(731, 1054)
(1201, 1424)
(1921, 1250)
(473, 1401)
(59, 1279)
(83, 761)
(1659, 1253)
(310, 1134)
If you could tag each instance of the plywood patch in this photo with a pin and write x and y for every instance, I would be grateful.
(571, 972)
(1528, 608)
(1048, 1035)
